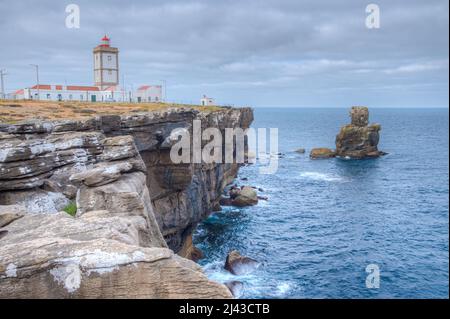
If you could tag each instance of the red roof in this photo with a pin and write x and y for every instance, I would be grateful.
(112, 88)
(82, 88)
(19, 92)
(68, 88)
(42, 87)
(105, 38)
(146, 87)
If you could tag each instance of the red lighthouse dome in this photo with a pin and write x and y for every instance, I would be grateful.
(105, 41)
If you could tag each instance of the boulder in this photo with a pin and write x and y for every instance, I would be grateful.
(322, 153)
(240, 265)
(246, 197)
(234, 192)
(300, 150)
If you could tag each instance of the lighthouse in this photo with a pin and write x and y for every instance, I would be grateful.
(106, 64)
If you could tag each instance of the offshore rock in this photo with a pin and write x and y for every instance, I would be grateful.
(322, 153)
(358, 140)
(240, 265)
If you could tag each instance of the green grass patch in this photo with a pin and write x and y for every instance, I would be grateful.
(71, 209)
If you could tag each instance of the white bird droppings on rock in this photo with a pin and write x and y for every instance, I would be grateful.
(11, 270)
(69, 276)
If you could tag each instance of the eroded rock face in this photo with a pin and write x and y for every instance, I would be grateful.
(94, 256)
(10, 213)
(190, 251)
(132, 203)
(359, 116)
(359, 139)
(114, 253)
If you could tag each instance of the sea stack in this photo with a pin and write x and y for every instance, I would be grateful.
(359, 139)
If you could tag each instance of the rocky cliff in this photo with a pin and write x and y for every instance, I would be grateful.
(134, 206)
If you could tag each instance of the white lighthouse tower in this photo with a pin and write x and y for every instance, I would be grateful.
(106, 65)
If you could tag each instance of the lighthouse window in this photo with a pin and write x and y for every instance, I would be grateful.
(109, 58)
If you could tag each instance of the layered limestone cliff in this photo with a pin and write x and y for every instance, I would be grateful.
(134, 206)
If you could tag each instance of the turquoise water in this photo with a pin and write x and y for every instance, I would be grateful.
(326, 220)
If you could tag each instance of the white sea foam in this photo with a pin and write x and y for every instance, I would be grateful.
(316, 176)
(283, 288)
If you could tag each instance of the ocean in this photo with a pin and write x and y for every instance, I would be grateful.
(325, 221)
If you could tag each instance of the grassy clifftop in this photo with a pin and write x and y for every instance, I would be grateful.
(12, 111)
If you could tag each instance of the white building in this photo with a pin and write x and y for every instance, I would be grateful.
(149, 93)
(47, 92)
(115, 93)
(106, 84)
(207, 101)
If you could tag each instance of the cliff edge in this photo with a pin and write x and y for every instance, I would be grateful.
(134, 207)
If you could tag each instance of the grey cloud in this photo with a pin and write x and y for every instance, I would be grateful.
(261, 53)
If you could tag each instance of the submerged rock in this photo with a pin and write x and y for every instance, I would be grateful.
(300, 150)
(320, 153)
(235, 287)
(240, 265)
(359, 139)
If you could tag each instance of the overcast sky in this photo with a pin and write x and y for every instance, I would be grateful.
(312, 53)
